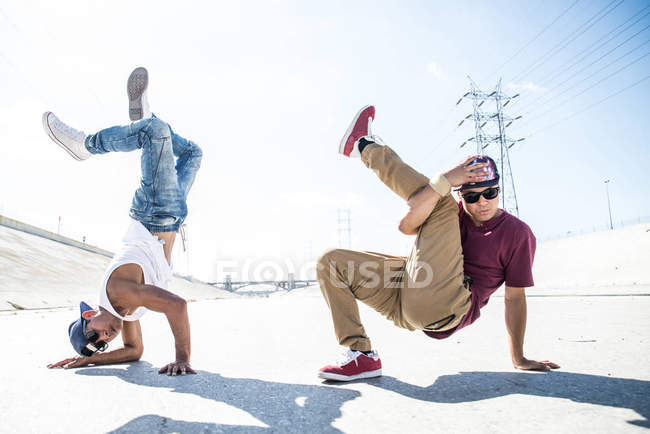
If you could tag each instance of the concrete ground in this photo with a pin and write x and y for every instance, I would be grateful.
(258, 359)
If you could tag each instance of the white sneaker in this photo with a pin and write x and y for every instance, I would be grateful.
(73, 141)
(136, 89)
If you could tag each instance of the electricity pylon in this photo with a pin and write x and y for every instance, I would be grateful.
(345, 228)
(490, 129)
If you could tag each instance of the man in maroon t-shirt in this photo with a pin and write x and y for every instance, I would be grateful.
(462, 254)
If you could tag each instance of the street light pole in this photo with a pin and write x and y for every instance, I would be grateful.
(609, 206)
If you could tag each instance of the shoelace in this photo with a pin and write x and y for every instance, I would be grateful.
(347, 357)
(68, 130)
(378, 140)
(373, 137)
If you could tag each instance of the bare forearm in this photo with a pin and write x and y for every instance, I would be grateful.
(175, 309)
(121, 355)
(180, 325)
(421, 204)
(516, 326)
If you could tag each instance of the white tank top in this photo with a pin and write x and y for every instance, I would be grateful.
(139, 247)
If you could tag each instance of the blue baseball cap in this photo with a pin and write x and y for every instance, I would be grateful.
(492, 174)
(85, 343)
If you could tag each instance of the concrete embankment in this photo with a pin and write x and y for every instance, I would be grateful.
(40, 270)
(596, 263)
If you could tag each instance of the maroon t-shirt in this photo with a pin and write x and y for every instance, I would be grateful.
(500, 250)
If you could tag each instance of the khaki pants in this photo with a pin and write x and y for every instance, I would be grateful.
(424, 291)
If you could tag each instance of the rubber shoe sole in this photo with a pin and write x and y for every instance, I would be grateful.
(338, 377)
(135, 87)
(349, 131)
(50, 133)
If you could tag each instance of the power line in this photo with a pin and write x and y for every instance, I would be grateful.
(594, 85)
(490, 129)
(541, 32)
(570, 38)
(581, 56)
(591, 75)
(437, 146)
(444, 139)
(594, 19)
(444, 118)
(590, 106)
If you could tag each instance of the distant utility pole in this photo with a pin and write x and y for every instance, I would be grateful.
(609, 207)
(490, 129)
(345, 228)
(58, 229)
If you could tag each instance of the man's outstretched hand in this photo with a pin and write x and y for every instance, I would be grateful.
(177, 367)
(72, 362)
(533, 365)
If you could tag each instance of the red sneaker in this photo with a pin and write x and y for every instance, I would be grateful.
(357, 365)
(360, 127)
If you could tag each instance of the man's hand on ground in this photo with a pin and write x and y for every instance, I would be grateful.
(72, 362)
(462, 174)
(176, 367)
(533, 365)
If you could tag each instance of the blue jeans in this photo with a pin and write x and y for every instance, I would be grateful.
(160, 201)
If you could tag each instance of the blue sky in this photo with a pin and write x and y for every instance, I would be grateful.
(268, 88)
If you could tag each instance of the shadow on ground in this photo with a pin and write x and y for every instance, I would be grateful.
(476, 386)
(281, 406)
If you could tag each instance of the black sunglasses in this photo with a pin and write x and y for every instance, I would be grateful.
(93, 344)
(474, 196)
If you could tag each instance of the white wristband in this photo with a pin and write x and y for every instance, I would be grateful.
(440, 184)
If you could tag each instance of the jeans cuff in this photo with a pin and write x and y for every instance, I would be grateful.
(162, 228)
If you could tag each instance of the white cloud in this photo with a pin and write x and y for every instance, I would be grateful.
(529, 86)
(435, 70)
